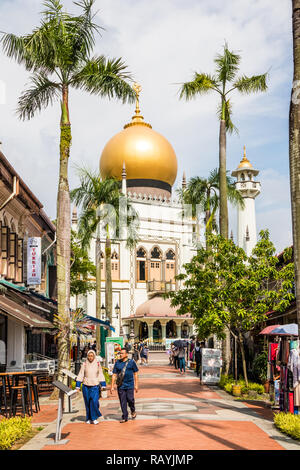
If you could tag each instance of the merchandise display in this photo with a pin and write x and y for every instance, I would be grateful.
(284, 368)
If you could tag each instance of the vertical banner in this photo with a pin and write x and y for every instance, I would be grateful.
(34, 261)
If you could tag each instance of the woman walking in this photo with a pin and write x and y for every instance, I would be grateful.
(181, 359)
(92, 378)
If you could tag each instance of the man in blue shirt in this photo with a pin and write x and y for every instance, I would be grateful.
(128, 386)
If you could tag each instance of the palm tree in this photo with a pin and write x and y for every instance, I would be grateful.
(227, 66)
(224, 82)
(58, 53)
(205, 193)
(96, 197)
(294, 149)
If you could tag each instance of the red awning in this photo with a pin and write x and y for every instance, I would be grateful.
(268, 329)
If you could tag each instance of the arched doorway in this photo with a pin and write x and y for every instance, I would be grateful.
(185, 330)
(143, 331)
(171, 331)
(157, 333)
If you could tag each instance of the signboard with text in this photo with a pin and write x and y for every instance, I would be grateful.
(34, 261)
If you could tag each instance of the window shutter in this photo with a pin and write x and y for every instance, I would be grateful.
(12, 260)
(5, 249)
(19, 277)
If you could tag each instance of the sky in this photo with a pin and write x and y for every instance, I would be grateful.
(164, 43)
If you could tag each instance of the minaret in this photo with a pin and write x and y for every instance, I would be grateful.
(124, 186)
(184, 181)
(249, 189)
(74, 218)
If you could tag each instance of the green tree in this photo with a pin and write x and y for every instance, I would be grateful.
(294, 149)
(204, 194)
(222, 286)
(58, 53)
(103, 204)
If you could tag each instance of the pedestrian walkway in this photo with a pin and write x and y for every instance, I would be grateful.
(174, 412)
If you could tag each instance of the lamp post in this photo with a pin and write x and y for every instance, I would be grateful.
(103, 313)
(118, 310)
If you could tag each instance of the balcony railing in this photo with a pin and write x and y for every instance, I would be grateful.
(160, 286)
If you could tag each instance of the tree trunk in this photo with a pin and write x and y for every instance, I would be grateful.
(241, 342)
(108, 280)
(98, 294)
(64, 238)
(223, 213)
(223, 223)
(294, 150)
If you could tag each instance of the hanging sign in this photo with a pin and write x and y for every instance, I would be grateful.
(34, 261)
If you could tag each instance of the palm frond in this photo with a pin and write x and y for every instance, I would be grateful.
(252, 84)
(42, 93)
(201, 84)
(106, 78)
(227, 65)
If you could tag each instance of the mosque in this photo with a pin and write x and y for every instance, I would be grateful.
(146, 165)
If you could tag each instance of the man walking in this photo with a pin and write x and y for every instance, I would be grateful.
(125, 376)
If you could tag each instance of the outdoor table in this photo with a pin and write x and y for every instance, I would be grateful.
(15, 380)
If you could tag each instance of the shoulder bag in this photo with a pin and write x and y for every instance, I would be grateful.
(120, 376)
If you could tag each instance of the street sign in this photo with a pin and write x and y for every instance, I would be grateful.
(34, 261)
(63, 390)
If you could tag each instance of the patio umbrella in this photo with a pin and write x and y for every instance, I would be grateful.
(290, 329)
(286, 330)
(178, 343)
(268, 329)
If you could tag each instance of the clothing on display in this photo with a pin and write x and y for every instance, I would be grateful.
(284, 364)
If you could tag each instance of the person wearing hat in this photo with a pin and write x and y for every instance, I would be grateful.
(92, 378)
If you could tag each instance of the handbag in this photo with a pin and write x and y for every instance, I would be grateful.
(120, 376)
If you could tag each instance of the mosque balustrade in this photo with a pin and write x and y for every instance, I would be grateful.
(160, 286)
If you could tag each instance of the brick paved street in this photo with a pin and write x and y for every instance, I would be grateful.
(173, 413)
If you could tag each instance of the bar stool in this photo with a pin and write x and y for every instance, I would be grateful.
(15, 389)
(34, 385)
(3, 396)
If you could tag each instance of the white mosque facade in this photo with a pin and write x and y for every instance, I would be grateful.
(146, 165)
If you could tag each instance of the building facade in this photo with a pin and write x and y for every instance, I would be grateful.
(146, 165)
(26, 311)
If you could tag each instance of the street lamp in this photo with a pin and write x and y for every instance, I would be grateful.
(103, 312)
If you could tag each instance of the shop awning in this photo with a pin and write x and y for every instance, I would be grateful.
(290, 329)
(15, 310)
(105, 324)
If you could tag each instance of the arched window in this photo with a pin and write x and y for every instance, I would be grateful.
(170, 267)
(185, 330)
(243, 177)
(155, 264)
(171, 331)
(157, 333)
(143, 330)
(141, 264)
(115, 266)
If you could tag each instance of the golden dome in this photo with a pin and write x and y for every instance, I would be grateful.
(146, 153)
(244, 163)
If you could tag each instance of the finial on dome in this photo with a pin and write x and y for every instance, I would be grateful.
(137, 89)
(245, 162)
(137, 118)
